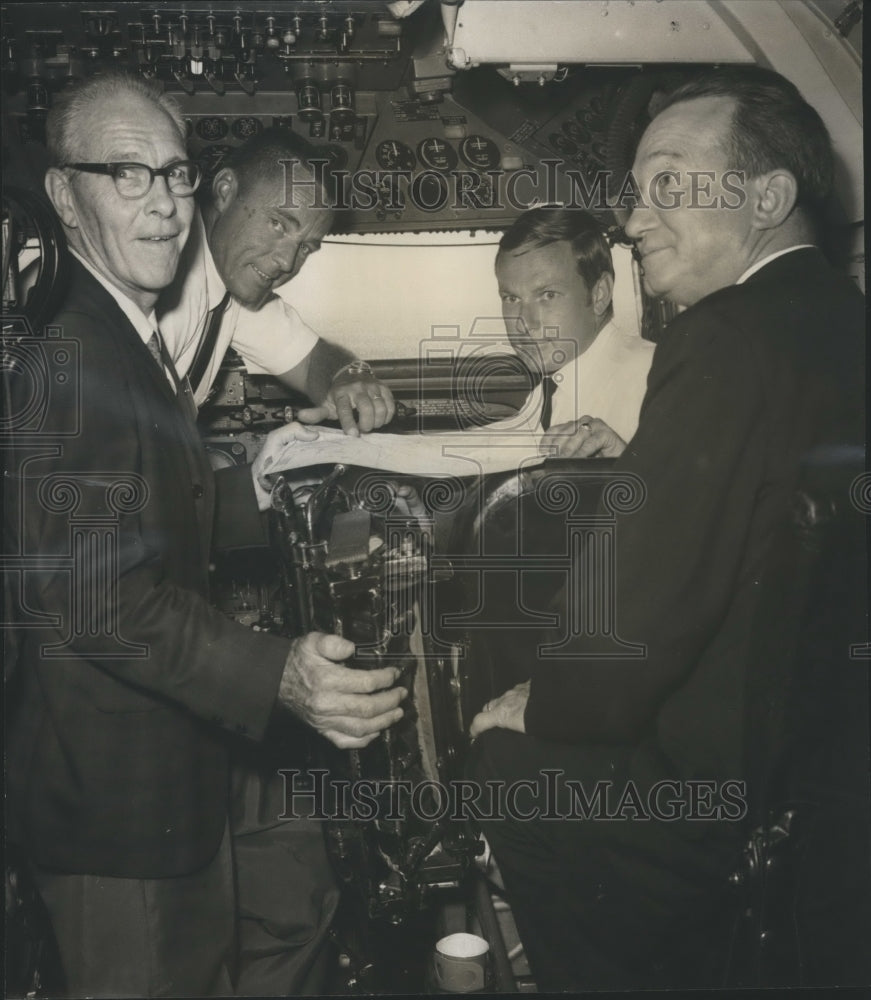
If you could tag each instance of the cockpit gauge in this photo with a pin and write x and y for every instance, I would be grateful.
(480, 152)
(244, 128)
(211, 158)
(336, 155)
(211, 129)
(562, 144)
(576, 132)
(588, 118)
(394, 155)
(437, 154)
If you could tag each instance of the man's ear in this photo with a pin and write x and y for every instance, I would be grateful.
(775, 194)
(602, 293)
(225, 188)
(57, 187)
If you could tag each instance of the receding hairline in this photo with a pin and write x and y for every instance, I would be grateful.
(63, 127)
(724, 137)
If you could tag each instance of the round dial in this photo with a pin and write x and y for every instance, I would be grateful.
(335, 154)
(244, 128)
(437, 154)
(211, 129)
(588, 118)
(394, 155)
(576, 132)
(211, 157)
(562, 144)
(481, 152)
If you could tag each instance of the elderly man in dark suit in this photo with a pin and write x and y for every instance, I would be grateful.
(757, 380)
(133, 689)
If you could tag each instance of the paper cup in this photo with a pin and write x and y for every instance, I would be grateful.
(460, 963)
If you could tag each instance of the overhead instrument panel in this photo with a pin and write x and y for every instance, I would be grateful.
(437, 125)
(420, 146)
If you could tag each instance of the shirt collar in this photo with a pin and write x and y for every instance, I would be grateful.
(767, 260)
(144, 325)
(595, 349)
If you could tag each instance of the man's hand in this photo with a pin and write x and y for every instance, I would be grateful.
(504, 712)
(588, 437)
(348, 707)
(270, 457)
(371, 399)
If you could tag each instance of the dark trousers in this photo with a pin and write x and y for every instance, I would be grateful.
(287, 893)
(607, 904)
(121, 937)
(253, 922)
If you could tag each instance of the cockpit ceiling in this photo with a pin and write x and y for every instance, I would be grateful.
(455, 117)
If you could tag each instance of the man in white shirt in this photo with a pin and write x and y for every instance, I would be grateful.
(267, 214)
(556, 281)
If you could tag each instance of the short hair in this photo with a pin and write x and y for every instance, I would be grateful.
(540, 227)
(773, 127)
(260, 158)
(63, 126)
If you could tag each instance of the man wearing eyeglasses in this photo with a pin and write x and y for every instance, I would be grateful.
(131, 691)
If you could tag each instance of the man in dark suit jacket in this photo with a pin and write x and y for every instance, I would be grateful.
(759, 379)
(132, 688)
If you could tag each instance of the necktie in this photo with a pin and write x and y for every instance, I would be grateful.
(548, 388)
(153, 345)
(207, 344)
(182, 386)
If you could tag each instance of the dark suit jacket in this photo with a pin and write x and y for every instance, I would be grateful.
(747, 385)
(117, 740)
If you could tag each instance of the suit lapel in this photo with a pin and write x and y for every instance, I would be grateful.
(88, 297)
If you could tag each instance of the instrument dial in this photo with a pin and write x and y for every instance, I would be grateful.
(211, 158)
(335, 154)
(562, 144)
(394, 155)
(576, 132)
(244, 128)
(589, 119)
(437, 154)
(480, 152)
(211, 129)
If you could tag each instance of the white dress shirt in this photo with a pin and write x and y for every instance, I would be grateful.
(607, 381)
(271, 340)
(145, 326)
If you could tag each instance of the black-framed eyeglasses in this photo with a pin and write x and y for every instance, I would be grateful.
(134, 180)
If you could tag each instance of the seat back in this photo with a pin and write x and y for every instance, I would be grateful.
(804, 877)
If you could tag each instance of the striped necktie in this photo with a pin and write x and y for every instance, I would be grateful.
(182, 387)
(153, 345)
(548, 388)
